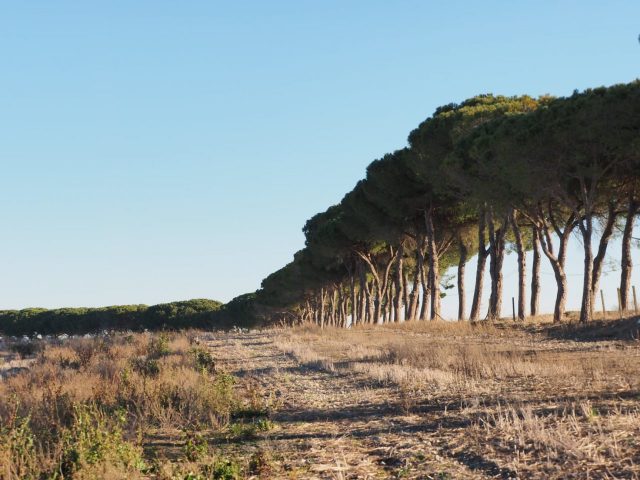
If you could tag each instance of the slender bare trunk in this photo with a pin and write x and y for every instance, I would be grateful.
(380, 282)
(586, 228)
(434, 267)
(370, 304)
(626, 263)
(363, 302)
(496, 254)
(399, 294)
(354, 302)
(482, 260)
(322, 300)
(462, 262)
(522, 268)
(598, 261)
(414, 297)
(405, 298)
(557, 262)
(377, 307)
(426, 291)
(388, 304)
(334, 307)
(535, 273)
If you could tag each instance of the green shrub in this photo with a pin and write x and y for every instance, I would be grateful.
(147, 367)
(159, 346)
(222, 470)
(17, 444)
(204, 360)
(195, 447)
(95, 439)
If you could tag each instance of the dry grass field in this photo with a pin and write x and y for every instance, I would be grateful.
(491, 401)
(122, 406)
(421, 400)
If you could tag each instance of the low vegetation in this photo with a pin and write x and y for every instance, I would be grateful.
(106, 407)
(525, 402)
(411, 400)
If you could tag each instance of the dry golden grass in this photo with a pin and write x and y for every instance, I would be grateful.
(413, 400)
(535, 403)
(94, 408)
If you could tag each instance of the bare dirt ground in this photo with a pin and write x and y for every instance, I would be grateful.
(439, 402)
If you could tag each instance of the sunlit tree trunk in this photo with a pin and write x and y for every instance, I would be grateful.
(370, 307)
(535, 273)
(426, 293)
(483, 252)
(522, 267)
(322, 300)
(557, 262)
(462, 262)
(364, 303)
(334, 307)
(405, 298)
(586, 228)
(598, 261)
(344, 309)
(414, 297)
(380, 282)
(434, 267)
(352, 293)
(496, 254)
(399, 293)
(626, 263)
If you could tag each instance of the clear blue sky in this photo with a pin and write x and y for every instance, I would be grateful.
(154, 151)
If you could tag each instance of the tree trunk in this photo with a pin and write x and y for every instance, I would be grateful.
(434, 281)
(522, 268)
(586, 228)
(434, 267)
(322, 300)
(405, 298)
(598, 261)
(496, 254)
(377, 307)
(381, 283)
(345, 309)
(370, 307)
(626, 263)
(354, 302)
(399, 294)
(462, 262)
(561, 294)
(388, 304)
(482, 260)
(363, 302)
(426, 291)
(535, 273)
(334, 307)
(557, 262)
(414, 297)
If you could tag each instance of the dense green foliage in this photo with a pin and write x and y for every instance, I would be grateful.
(198, 313)
(479, 177)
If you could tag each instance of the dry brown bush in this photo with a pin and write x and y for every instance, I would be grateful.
(86, 406)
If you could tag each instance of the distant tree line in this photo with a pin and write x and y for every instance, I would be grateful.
(198, 313)
(476, 178)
